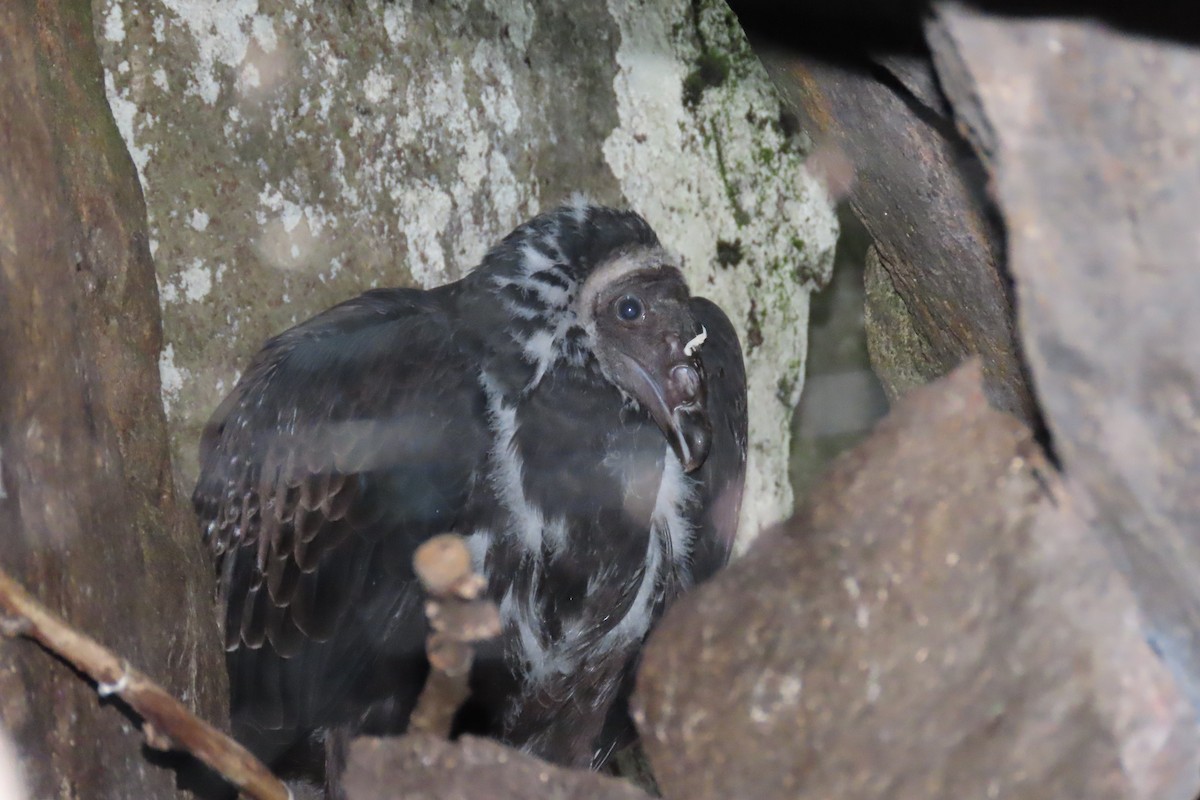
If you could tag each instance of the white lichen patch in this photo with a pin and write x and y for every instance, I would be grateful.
(719, 180)
(196, 281)
(377, 86)
(395, 22)
(114, 24)
(471, 107)
(172, 377)
(263, 31)
(126, 115)
(221, 33)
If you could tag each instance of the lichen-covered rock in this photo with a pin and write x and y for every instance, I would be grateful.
(901, 355)
(1100, 208)
(423, 767)
(294, 153)
(937, 623)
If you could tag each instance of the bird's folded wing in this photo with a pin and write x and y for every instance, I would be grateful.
(349, 440)
(722, 476)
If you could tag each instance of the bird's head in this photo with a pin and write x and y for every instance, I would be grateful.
(586, 282)
(647, 342)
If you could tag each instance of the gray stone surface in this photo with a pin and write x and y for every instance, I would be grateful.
(1091, 137)
(938, 622)
(294, 153)
(423, 767)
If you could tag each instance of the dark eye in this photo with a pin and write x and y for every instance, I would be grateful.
(629, 308)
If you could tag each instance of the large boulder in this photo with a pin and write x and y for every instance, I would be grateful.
(938, 622)
(1090, 135)
(423, 767)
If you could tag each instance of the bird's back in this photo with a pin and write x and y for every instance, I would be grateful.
(349, 440)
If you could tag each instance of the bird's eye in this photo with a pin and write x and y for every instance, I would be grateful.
(629, 308)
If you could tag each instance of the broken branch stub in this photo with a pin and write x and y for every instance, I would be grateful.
(458, 619)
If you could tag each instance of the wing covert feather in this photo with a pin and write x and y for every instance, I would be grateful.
(362, 425)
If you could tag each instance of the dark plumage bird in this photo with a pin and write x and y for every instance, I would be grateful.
(567, 406)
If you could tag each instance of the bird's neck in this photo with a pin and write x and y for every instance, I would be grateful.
(594, 509)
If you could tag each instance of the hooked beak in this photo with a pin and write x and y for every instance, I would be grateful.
(674, 396)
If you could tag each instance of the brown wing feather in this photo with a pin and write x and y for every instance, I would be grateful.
(359, 427)
(723, 474)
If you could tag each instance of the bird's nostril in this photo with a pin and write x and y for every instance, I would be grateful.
(686, 380)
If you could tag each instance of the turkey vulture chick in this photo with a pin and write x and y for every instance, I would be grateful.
(568, 407)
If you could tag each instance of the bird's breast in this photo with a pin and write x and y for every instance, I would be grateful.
(591, 516)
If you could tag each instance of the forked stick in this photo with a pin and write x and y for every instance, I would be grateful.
(458, 619)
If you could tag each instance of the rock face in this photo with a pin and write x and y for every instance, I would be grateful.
(88, 518)
(938, 622)
(938, 292)
(295, 153)
(1100, 212)
(422, 767)
(900, 352)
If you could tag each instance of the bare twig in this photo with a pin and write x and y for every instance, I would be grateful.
(458, 618)
(166, 723)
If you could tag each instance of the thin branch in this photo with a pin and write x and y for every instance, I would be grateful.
(166, 723)
(458, 618)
